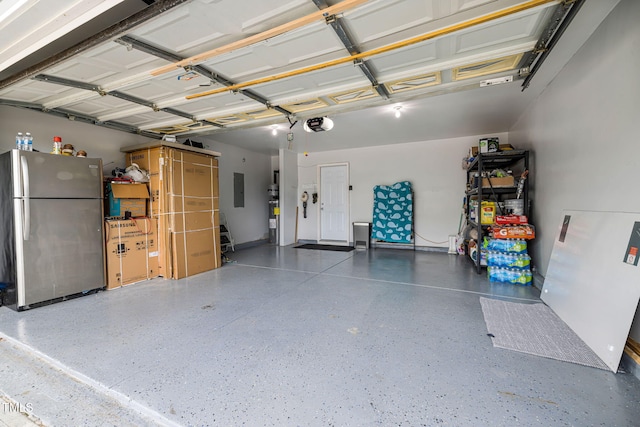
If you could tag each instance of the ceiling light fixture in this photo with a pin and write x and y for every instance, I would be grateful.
(397, 109)
(274, 130)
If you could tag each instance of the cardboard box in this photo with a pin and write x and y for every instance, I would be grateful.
(505, 181)
(195, 252)
(511, 219)
(151, 160)
(132, 251)
(184, 200)
(192, 174)
(489, 145)
(127, 198)
(192, 182)
(147, 159)
(483, 145)
(524, 232)
(153, 206)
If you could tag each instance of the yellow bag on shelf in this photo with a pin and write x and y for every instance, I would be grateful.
(488, 213)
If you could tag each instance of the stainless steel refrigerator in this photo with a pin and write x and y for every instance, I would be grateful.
(51, 226)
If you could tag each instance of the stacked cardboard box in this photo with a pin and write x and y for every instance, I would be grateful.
(184, 199)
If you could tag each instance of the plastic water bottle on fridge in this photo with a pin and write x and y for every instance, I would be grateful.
(28, 142)
(19, 141)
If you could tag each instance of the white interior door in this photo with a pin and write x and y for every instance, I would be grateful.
(334, 203)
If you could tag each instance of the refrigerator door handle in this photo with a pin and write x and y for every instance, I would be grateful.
(26, 230)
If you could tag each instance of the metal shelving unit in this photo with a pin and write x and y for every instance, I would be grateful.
(483, 164)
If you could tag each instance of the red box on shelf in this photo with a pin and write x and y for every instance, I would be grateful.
(513, 232)
(512, 219)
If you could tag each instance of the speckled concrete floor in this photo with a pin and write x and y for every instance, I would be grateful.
(295, 337)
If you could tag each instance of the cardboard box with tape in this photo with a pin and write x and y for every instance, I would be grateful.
(131, 250)
(125, 197)
(184, 200)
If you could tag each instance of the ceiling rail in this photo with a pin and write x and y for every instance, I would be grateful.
(199, 69)
(273, 32)
(81, 118)
(349, 44)
(384, 49)
(566, 12)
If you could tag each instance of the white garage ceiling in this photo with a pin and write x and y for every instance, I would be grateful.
(232, 70)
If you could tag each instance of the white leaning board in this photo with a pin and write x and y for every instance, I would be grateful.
(593, 279)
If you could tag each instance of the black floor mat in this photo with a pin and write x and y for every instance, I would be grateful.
(326, 247)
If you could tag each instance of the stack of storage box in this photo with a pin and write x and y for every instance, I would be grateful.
(130, 235)
(184, 200)
(507, 258)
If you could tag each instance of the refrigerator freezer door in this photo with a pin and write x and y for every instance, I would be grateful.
(57, 177)
(7, 232)
(64, 253)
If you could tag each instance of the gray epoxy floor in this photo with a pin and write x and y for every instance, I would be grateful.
(295, 337)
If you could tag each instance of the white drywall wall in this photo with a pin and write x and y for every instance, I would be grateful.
(98, 142)
(247, 224)
(288, 195)
(433, 167)
(250, 223)
(583, 131)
